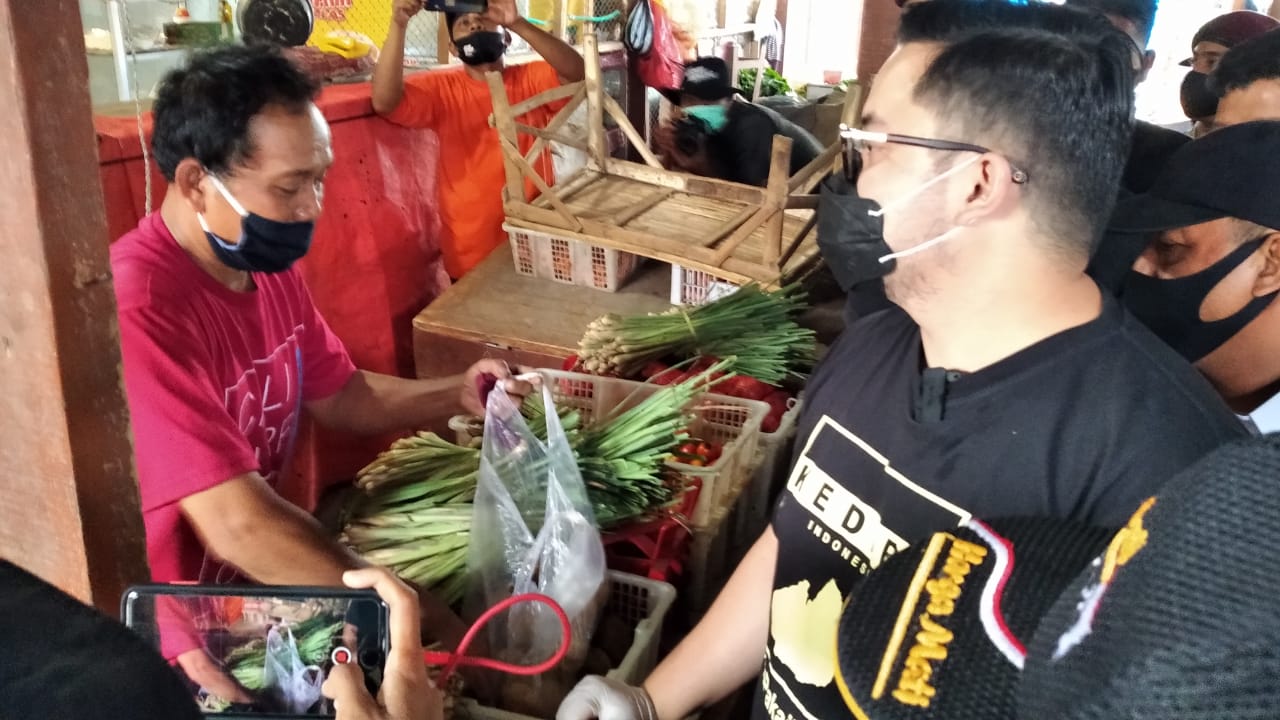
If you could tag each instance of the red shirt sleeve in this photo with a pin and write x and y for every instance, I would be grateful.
(326, 365)
(184, 439)
(417, 108)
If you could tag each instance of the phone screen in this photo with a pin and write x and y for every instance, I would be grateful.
(456, 6)
(254, 651)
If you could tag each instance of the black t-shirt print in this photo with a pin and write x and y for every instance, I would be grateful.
(1083, 425)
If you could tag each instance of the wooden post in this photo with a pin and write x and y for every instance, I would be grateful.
(560, 23)
(443, 40)
(596, 140)
(776, 200)
(69, 508)
(878, 36)
(505, 123)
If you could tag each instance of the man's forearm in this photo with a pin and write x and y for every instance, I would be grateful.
(731, 638)
(559, 54)
(285, 547)
(388, 74)
(372, 403)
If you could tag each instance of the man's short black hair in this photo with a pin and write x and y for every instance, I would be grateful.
(946, 21)
(202, 110)
(1250, 61)
(1142, 13)
(1060, 109)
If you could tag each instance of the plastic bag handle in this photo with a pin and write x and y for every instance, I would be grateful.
(451, 660)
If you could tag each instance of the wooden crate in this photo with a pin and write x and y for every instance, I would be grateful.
(737, 232)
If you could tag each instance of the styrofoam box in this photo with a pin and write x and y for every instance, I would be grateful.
(569, 261)
(638, 601)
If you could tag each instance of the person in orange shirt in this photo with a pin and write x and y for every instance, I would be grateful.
(456, 104)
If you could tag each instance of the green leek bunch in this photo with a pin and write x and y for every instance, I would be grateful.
(415, 514)
(754, 328)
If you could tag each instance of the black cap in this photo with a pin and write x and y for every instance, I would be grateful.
(63, 659)
(1230, 172)
(938, 631)
(707, 78)
(1178, 618)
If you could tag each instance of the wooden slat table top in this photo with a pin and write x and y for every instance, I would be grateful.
(494, 304)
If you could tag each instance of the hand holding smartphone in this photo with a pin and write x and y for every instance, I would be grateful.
(406, 692)
(256, 651)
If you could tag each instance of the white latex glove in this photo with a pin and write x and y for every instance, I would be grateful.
(599, 698)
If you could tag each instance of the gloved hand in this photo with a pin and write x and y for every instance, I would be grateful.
(599, 698)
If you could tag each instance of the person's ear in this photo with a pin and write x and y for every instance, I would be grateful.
(188, 180)
(991, 186)
(1268, 280)
(506, 35)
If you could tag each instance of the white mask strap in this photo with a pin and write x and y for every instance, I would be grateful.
(921, 247)
(235, 204)
(911, 196)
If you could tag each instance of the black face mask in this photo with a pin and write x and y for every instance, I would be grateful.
(265, 246)
(482, 47)
(1198, 102)
(1171, 308)
(850, 239)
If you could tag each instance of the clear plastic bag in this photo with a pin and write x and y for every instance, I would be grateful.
(534, 532)
(292, 685)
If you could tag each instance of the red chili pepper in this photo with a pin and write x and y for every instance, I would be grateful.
(652, 368)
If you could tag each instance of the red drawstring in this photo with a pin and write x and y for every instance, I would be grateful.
(451, 660)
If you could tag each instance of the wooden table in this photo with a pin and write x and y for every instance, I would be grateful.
(495, 313)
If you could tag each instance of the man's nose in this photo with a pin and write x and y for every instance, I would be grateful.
(309, 209)
(1146, 263)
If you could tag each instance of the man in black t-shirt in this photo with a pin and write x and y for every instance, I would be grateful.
(722, 136)
(1004, 384)
(1150, 145)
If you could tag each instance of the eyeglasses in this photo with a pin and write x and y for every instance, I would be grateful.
(858, 141)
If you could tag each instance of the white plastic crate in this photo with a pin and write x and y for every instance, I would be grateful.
(716, 550)
(640, 602)
(731, 422)
(569, 261)
(695, 287)
(770, 472)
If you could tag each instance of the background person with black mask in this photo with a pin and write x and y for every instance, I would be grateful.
(456, 104)
(718, 135)
(1208, 280)
(1211, 42)
(1006, 383)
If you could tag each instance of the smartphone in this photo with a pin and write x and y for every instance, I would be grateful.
(456, 6)
(260, 651)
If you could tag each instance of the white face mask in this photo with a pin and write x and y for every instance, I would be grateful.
(900, 202)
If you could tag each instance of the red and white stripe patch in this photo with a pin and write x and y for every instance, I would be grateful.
(993, 621)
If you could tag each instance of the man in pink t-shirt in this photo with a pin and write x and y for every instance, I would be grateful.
(222, 346)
